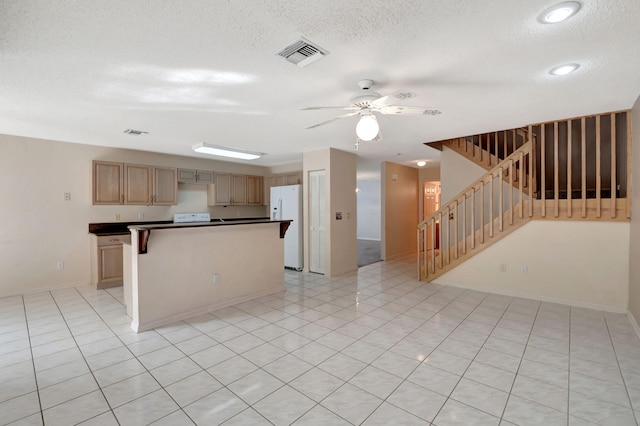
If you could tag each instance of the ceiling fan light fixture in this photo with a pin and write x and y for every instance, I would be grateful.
(223, 151)
(367, 128)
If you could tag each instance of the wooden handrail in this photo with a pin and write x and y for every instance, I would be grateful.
(525, 149)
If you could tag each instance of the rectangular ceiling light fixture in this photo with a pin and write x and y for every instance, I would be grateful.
(223, 151)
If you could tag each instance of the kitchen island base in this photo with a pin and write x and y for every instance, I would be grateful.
(189, 270)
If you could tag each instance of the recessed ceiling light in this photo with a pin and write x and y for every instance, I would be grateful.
(224, 151)
(421, 163)
(564, 69)
(559, 12)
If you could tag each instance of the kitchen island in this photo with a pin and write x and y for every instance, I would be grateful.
(176, 271)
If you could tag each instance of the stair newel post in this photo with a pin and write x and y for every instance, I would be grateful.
(491, 205)
(598, 170)
(543, 171)
(500, 200)
(432, 263)
(556, 167)
(613, 165)
(583, 130)
(569, 166)
(440, 239)
(455, 231)
(511, 171)
(482, 212)
(473, 218)
(532, 170)
(419, 259)
(628, 196)
(521, 187)
(464, 223)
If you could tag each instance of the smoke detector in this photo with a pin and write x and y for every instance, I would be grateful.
(302, 52)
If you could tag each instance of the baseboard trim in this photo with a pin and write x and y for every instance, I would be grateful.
(634, 323)
(369, 239)
(558, 300)
(138, 327)
(47, 288)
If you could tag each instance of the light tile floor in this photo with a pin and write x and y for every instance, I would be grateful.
(375, 348)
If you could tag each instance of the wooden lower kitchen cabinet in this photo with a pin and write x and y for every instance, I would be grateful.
(106, 260)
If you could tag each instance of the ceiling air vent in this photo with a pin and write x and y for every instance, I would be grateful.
(302, 52)
(135, 132)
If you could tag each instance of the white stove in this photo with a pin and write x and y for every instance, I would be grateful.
(191, 217)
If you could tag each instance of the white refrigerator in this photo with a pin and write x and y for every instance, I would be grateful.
(286, 203)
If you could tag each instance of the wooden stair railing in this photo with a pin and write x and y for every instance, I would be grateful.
(488, 149)
(481, 214)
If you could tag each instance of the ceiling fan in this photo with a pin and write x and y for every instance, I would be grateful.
(367, 102)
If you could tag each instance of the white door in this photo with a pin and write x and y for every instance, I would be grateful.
(317, 215)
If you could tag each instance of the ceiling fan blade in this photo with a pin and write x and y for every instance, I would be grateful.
(409, 110)
(393, 97)
(345, 108)
(334, 119)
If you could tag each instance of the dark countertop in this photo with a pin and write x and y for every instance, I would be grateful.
(121, 228)
(144, 231)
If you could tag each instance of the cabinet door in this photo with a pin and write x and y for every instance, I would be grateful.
(281, 180)
(165, 186)
(109, 265)
(187, 176)
(222, 189)
(254, 191)
(137, 184)
(108, 182)
(239, 190)
(293, 178)
(204, 176)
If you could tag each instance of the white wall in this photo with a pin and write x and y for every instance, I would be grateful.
(340, 243)
(40, 229)
(369, 200)
(634, 248)
(456, 173)
(574, 262)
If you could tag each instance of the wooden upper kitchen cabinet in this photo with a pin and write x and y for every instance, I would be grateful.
(235, 190)
(238, 190)
(108, 182)
(135, 184)
(254, 191)
(219, 194)
(165, 186)
(195, 176)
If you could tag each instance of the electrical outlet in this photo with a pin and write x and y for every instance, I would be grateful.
(216, 278)
(60, 265)
(67, 196)
(503, 267)
(117, 216)
(140, 216)
(524, 269)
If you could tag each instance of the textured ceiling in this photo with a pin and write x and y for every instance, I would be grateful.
(206, 70)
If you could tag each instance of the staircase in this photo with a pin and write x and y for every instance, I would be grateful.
(573, 155)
